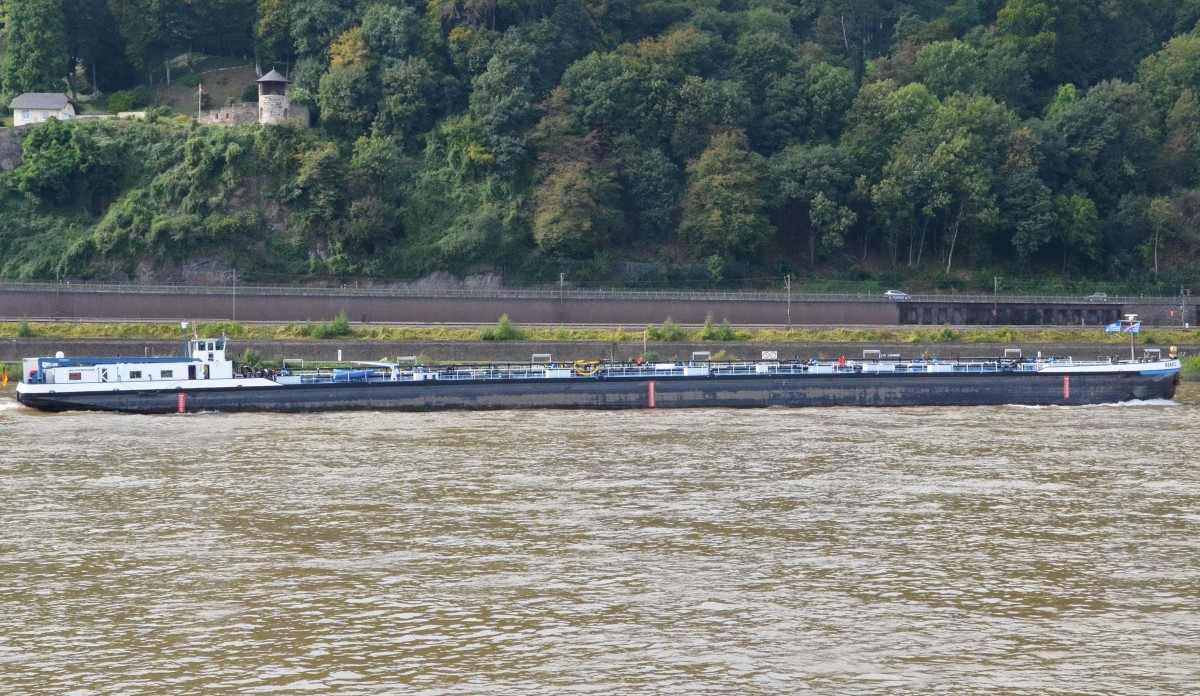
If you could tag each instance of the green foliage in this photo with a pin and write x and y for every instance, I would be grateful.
(665, 141)
(942, 335)
(1191, 368)
(576, 211)
(724, 202)
(668, 332)
(504, 330)
(250, 358)
(338, 328)
(54, 160)
(36, 59)
(128, 100)
(24, 330)
(712, 332)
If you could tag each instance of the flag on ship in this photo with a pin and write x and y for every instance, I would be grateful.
(1134, 328)
(1114, 327)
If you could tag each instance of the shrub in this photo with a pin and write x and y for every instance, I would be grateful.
(1191, 368)
(669, 331)
(337, 328)
(251, 358)
(24, 330)
(128, 99)
(724, 332)
(505, 330)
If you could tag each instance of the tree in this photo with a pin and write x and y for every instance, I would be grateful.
(346, 100)
(798, 176)
(36, 60)
(805, 106)
(414, 95)
(1078, 224)
(946, 67)
(1164, 220)
(1107, 141)
(1028, 206)
(576, 211)
(314, 24)
(1181, 150)
(94, 48)
(653, 183)
(1166, 74)
(724, 201)
(944, 177)
(851, 28)
(395, 33)
(881, 114)
(503, 102)
(273, 33)
(53, 160)
(321, 184)
(830, 222)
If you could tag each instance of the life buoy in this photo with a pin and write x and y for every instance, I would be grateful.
(587, 368)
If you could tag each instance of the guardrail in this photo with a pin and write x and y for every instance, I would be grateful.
(564, 293)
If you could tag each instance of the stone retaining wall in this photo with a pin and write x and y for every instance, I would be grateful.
(11, 155)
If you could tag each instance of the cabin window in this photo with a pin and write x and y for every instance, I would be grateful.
(75, 376)
(166, 374)
(135, 374)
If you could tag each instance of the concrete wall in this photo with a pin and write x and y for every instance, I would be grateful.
(65, 303)
(222, 304)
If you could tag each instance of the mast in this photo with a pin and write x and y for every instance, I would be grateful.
(1134, 326)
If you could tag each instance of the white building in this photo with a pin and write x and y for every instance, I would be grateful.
(36, 107)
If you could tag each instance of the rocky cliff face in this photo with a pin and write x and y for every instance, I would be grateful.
(11, 155)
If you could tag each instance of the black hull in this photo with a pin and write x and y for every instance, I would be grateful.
(950, 389)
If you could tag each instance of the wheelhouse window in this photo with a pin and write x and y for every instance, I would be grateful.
(135, 374)
(166, 373)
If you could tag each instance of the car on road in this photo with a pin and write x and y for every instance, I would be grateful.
(897, 295)
(1098, 297)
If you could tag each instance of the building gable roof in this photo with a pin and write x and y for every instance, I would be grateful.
(40, 100)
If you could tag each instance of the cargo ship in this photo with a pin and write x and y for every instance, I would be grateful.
(204, 379)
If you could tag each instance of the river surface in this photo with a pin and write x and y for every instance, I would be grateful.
(1006, 550)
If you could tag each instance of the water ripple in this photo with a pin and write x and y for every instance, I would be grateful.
(984, 551)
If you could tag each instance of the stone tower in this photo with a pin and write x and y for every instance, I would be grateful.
(273, 103)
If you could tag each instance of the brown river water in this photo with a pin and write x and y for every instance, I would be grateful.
(1006, 550)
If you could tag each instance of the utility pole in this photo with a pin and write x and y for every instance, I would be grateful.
(995, 292)
(788, 283)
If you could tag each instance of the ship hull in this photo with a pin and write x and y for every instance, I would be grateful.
(744, 391)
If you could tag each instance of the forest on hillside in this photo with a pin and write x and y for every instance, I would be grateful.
(934, 143)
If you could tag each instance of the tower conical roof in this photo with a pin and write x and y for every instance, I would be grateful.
(273, 76)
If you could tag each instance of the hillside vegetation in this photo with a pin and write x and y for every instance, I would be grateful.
(661, 142)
